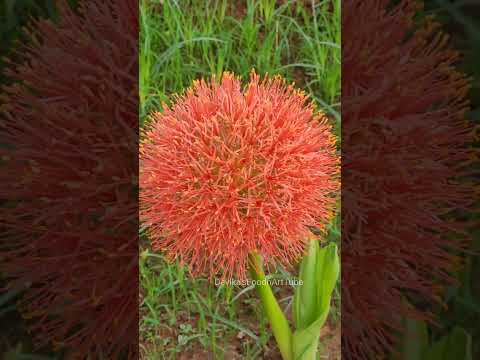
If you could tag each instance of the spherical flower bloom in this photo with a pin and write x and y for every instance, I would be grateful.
(69, 168)
(404, 149)
(228, 171)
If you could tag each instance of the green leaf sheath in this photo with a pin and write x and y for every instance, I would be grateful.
(305, 341)
(276, 317)
(305, 299)
(328, 271)
(319, 272)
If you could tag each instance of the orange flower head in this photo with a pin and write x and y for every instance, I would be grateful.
(227, 171)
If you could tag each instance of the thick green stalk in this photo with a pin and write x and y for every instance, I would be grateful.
(276, 317)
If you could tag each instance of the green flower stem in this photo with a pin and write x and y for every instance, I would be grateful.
(276, 317)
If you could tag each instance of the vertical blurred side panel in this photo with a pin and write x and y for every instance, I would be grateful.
(407, 160)
(69, 179)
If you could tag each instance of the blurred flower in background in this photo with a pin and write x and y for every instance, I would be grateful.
(69, 218)
(405, 147)
(226, 172)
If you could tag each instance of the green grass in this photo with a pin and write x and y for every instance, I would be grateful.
(180, 42)
(185, 40)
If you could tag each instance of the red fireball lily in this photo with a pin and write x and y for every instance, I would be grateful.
(226, 172)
